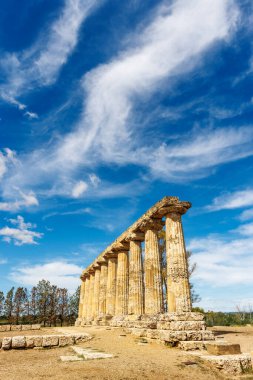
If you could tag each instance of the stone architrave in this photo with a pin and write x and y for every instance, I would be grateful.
(136, 289)
(91, 295)
(86, 298)
(179, 295)
(82, 291)
(152, 269)
(111, 286)
(122, 284)
(103, 288)
(95, 304)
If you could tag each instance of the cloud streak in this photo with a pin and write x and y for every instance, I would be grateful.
(21, 234)
(233, 200)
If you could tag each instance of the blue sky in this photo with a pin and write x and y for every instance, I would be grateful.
(106, 107)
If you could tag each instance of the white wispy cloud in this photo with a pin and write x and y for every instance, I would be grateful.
(79, 189)
(246, 215)
(40, 64)
(232, 200)
(26, 200)
(7, 158)
(169, 45)
(20, 234)
(61, 273)
(223, 260)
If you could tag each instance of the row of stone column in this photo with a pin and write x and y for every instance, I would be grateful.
(123, 283)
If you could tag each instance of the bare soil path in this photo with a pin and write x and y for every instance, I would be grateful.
(133, 360)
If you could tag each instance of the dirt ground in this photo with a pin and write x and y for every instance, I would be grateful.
(241, 335)
(133, 360)
(43, 331)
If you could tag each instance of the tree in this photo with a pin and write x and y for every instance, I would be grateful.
(33, 303)
(20, 299)
(63, 304)
(43, 297)
(1, 303)
(8, 304)
(74, 303)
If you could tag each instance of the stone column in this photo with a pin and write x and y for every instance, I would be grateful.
(95, 304)
(179, 295)
(82, 291)
(103, 288)
(122, 284)
(136, 296)
(152, 269)
(85, 298)
(91, 295)
(111, 285)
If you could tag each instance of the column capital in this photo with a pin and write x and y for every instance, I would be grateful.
(136, 236)
(180, 208)
(155, 224)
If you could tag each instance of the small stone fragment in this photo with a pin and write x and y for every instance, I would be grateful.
(6, 343)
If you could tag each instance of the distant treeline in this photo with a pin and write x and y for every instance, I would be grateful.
(237, 318)
(44, 303)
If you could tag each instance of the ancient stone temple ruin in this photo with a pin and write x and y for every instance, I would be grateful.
(123, 286)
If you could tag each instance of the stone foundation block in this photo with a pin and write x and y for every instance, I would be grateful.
(36, 327)
(29, 341)
(66, 341)
(16, 327)
(26, 327)
(230, 364)
(172, 336)
(78, 338)
(37, 340)
(152, 334)
(6, 343)
(193, 335)
(3, 328)
(191, 345)
(222, 348)
(207, 335)
(191, 316)
(187, 325)
(50, 340)
(141, 333)
(18, 342)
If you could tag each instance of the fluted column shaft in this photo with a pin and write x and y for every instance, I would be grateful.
(85, 298)
(153, 279)
(122, 284)
(111, 286)
(95, 303)
(136, 296)
(103, 288)
(179, 296)
(91, 295)
(82, 291)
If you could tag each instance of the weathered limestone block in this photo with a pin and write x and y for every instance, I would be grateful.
(152, 269)
(36, 327)
(207, 335)
(179, 297)
(190, 316)
(193, 335)
(78, 338)
(152, 334)
(66, 340)
(29, 341)
(222, 348)
(6, 343)
(230, 364)
(187, 325)
(16, 327)
(141, 333)
(172, 336)
(3, 328)
(50, 340)
(26, 327)
(191, 345)
(37, 340)
(18, 342)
